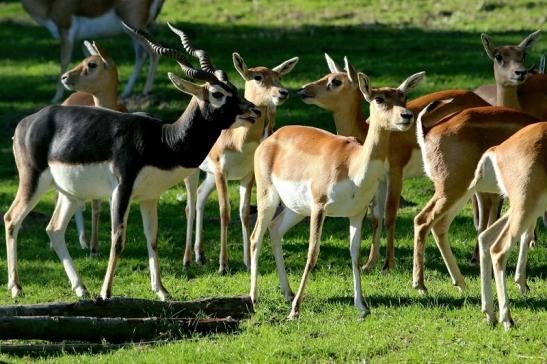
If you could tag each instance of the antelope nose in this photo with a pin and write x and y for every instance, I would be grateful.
(521, 73)
(256, 111)
(64, 77)
(301, 91)
(284, 93)
(406, 115)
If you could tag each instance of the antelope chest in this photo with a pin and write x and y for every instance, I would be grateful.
(97, 180)
(235, 165)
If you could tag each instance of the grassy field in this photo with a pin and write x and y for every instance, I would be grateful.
(388, 40)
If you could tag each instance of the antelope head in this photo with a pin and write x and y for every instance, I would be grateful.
(94, 74)
(509, 68)
(263, 85)
(388, 105)
(334, 89)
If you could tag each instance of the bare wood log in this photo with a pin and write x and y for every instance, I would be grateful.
(114, 330)
(235, 307)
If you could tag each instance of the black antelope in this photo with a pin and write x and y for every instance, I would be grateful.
(93, 153)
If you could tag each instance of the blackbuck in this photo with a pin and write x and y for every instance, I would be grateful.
(518, 167)
(315, 173)
(73, 20)
(338, 92)
(452, 146)
(231, 159)
(93, 153)
(95, 81)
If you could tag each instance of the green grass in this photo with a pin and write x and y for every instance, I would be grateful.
(388, 40)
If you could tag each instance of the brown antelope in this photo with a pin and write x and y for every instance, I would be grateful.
(518, 167)
(339, 93)
(516, 87)
(95, 81)
(318, 174)
(91, 153)
(231, 159)
(451, 148)
(71, 20)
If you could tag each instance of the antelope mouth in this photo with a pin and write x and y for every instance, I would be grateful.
(249, 118)
(403, 125)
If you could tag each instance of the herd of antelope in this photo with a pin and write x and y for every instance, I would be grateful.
(482, 145)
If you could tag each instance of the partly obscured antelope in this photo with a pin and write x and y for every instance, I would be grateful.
(95, 81)
(451, 148)
(318, 174)
(516, 87)
(72, 20)
(518, 167)
(339, 93)
(92, 153)
(231, 159)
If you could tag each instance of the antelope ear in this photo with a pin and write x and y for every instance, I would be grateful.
(286, 66)
(529, 40)
(352, 74)
(364, 86)
(488, 45)
(186, 86)
(333, 67)
(240, 66)
(103, 54)
(411, 82)
(90, 48)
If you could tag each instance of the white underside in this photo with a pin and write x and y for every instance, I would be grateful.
(235, 165)
(97, 180)
(344, 199)
(88, 28)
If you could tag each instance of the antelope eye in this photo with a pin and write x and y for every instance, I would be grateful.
(257, 77)
(217, 95)
(336, 82)
(379, 100)
(498, 57)
(92, 65)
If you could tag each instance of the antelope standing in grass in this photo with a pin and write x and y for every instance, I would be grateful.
(318, 174)
(518, 167)
(518, 88)
(451, 148)
(231, 159)
(72, 20)
(339, 93)
(92, 153)
(95, 81)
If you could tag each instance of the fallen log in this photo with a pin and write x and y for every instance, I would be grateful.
(235, 307)
(114, 330)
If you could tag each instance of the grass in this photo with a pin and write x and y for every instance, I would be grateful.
(388, 40)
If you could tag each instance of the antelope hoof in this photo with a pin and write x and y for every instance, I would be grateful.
(293, 315)
(84, 243)
(163, 295)
(223, 270)
(461, 287)
(369, 265)
(523, 288)
(16, 290)
(289, 296)
(81, 292)
(105, 294)
(473, 261)
(185, 265)
(94, 254)
(363, 314)
(508, 325)
(491, 319)
(200, 259)
(420, 287)
(387, 267)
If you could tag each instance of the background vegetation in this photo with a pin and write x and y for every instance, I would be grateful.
(388, 40)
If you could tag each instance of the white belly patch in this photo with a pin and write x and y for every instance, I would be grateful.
(84, 181)
(101, 26)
